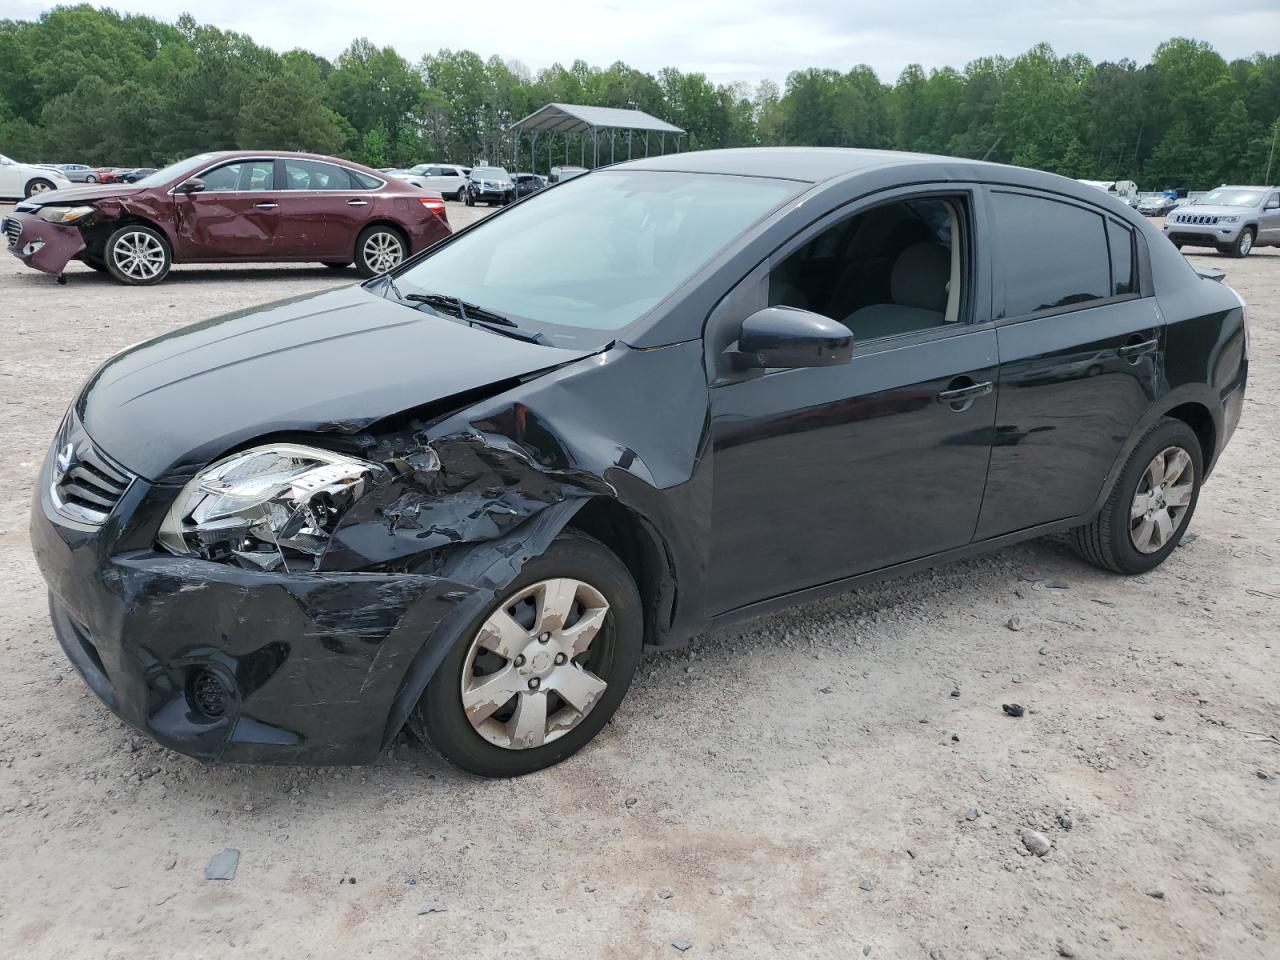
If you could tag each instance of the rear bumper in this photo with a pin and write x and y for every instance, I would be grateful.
(40, 244)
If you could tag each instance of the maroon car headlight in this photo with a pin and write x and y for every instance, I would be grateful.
(267, 508)
(65, 214)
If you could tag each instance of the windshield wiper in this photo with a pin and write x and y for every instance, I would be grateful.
(477, 316)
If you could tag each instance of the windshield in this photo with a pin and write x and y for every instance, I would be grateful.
(1231, 197)
(174, 170)
(596, 253)
(418, 170)
(489, 173)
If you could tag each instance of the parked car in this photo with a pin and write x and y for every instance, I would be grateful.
(18, 180)
(134, 174)
(527, 183)
(674, 394)
(560, 174)
(1158, 205)
(1232, 219)
(232, 206)
(447, 178)
(79, 172)
(491, 185)
(110, 174)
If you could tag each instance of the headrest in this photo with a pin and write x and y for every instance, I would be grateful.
(920, 277)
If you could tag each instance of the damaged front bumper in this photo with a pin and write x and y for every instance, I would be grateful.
(40, 244)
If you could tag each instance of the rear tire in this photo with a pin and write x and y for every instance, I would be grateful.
(379, 248)
(611, 655)
(1110, 540)
(137, 255)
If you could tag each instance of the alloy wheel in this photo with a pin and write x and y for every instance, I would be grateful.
(383, 251)
(527, 677)
(1164, 493)
(40, 186)
(138, 255)
(1246, 243)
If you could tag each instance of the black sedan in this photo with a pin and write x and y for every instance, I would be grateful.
(662, 397)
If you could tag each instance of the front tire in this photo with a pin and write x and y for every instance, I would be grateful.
(1243, 244)
(378, 249)
(38, 185)
(1150, 505)
(468, 199)
(539, 673)
(138, 255)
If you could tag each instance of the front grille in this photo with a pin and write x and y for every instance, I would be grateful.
(86, 484)
(12, 230)
(1201, 218)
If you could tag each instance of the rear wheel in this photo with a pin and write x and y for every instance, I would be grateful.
(1149, 506)
(378, 249)
(38, 185)
(536, 676)
(137, 255)
(91, 178)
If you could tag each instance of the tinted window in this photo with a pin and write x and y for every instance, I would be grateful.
(892, 270)
(241, 175)
(1053, 254)
(314, 175)
(1120, 239)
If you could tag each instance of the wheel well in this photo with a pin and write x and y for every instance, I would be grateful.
(642, 552)
(1199, 419)
(394, 226)
(95, 241)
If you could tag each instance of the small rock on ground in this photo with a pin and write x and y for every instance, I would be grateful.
(1036, 842)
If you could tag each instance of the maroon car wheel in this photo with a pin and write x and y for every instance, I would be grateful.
(378, 249)
(138, 255)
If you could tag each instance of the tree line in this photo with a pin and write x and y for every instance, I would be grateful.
(89, 85)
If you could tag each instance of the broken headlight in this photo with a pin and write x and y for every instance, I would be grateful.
(268, 508)
(65, 214)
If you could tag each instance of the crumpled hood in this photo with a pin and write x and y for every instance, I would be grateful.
(334, 361)
(87, 193)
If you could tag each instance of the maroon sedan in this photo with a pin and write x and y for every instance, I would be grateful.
(230, 207)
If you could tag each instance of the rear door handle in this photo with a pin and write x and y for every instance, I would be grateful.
(971, 392)
(266, 206)
(357, 203)
(1130, 350)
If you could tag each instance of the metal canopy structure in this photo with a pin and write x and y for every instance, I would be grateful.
(583, 122)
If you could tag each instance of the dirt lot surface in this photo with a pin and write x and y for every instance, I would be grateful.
(837, 781)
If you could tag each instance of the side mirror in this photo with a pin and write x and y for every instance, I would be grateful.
(193, 185)
(791, 337)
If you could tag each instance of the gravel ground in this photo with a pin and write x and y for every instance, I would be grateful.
(836, 781)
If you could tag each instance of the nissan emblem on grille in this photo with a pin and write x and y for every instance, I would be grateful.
(85, 485)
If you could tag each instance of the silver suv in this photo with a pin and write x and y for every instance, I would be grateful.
(1233, 219)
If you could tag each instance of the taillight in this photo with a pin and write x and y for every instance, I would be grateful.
(436, 206)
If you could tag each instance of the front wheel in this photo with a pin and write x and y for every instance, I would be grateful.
(138, 255)
(38, 185)
(468, 199)
(1150, 505)
(378, 249)
(1243, 244)
(537, 675)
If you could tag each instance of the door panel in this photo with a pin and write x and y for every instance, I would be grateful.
(320, 214)
(823, 473)
(220, 226)
(1072, 388)
(1269, 220)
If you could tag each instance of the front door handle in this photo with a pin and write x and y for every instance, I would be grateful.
(266, 206)
(357, 203)
(957, 395)
(1132, 350)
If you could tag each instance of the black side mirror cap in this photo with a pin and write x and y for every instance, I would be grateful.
(788, 337)
(192, 185)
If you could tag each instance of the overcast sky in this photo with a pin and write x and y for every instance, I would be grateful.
(738, 39)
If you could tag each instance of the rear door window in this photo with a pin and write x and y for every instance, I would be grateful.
(1054, 254)
(1120, 242)
(314, 175)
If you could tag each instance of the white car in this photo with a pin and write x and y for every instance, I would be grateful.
(20, 180)
(448, 178)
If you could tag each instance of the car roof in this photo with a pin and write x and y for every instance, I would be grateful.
(233, 154)
(1241, 186)
(807, 164)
